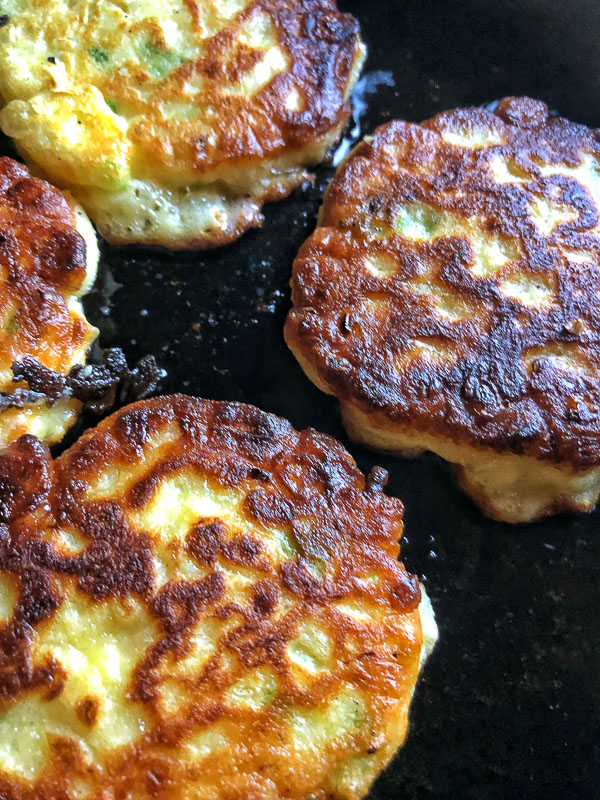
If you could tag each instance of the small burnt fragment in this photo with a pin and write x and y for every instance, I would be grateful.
(99, 386)
(20, 398)
(40, 379)
(377, 480)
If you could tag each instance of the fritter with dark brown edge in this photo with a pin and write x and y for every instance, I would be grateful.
(48, 258)
(449, 299)
(197, 601)
(173, 121)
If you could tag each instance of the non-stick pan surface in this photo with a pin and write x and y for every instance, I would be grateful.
(509, 704)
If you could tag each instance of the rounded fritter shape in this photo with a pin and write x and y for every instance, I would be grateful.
(172, 122)
(449, 299)
(201, 602)
(48, 258)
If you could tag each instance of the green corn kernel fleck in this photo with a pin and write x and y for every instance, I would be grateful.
(99, 55)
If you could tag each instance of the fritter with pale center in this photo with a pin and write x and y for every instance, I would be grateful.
(48, 258)
(173, 121)
(196, 601)
(450, 299)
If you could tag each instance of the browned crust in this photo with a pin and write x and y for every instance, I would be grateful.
(322, 44)
(481, 392)
(306, 480)
(250, 145)
(42, 258)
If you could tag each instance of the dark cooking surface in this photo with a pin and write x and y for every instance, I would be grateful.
(509, 703)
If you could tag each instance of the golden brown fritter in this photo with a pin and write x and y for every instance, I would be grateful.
(174, 121)
(449, 298)
(201, 602)
(48, 257)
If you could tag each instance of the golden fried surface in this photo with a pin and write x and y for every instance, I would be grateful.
(48, 257)
(449, 296)
(200, 602)
(173, 121)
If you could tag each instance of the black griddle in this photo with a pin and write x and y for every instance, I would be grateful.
(509, 703)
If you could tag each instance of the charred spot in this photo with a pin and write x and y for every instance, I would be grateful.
(159, 777)
(200, 143)
(55, 680)
(25, 477)
(35, 194)
(243, 550)
(405, 594)
(143, 490)
(180, 603)
(522, 111)
(256, 644)
(244, 60)
(65, 753)
(205, 540)
(332, 472)
(10, 259)
(154, 781)
(62, 258)
(300, 582)
(10, 172)
(226, 611)
(330, 28)
(131, 428)
(87, 710)
(20, 398)
(102, 384)
(260, 475)
(268, 507)
(265, 598)
(37, 600)
(118, 561)
(578, 411)
(376, 204)
(17, 674)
